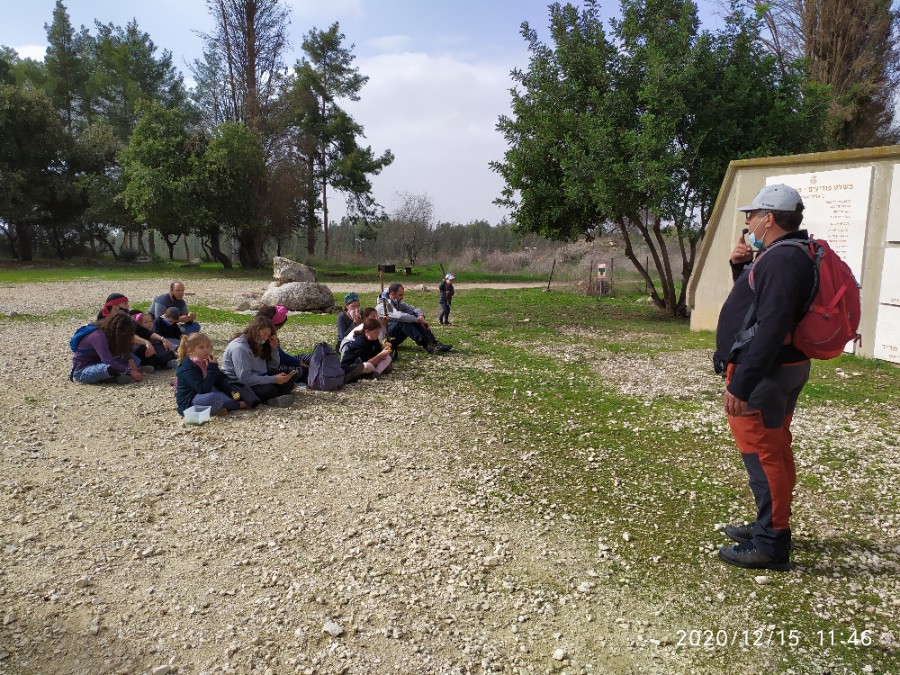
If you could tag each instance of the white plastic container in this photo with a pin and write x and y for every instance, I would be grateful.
(196, 414)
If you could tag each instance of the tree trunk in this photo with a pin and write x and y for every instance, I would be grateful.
(250, 251)
(187, 250)
(23, 234)
(106, 242)
(151, 242)
(171, 246)
(216, 249)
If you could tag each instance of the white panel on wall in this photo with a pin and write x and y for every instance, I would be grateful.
(893, 223)
(887, 334)
(836, 204)
(890, 277)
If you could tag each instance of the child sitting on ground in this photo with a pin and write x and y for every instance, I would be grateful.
(367, 350)
(104, 354)
(166, 325)
(200, 381)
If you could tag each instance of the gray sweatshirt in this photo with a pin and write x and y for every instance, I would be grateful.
(240, 364)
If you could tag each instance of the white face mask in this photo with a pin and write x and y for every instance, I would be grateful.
(754, 242)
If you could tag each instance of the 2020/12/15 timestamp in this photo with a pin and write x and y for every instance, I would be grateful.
(771, 637)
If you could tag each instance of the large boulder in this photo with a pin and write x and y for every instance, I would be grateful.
(285, 270)
(300, 296)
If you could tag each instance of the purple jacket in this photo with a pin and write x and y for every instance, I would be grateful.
(93, 349)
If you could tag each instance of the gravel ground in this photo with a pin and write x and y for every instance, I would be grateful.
(360, 531)
(331, 537)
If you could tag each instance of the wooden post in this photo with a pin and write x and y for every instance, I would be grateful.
(552, 267)
(590, 279)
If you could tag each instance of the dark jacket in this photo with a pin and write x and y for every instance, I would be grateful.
(170, 331)
(344, 325)
(191, 382)
(783, 281)
(361, 349)
(447, 292)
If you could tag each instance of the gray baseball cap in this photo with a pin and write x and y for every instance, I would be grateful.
(778, 197)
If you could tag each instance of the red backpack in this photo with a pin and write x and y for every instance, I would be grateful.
(831, 316)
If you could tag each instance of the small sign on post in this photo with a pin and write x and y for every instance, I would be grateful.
(601, 277)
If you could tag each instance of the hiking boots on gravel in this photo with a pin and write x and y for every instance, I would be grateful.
(742, 534)
(146, 370)
(442, 347)
(124, 379)
(432, 348)
(748, 556)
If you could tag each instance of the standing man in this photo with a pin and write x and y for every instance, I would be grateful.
(408, 321)
(764, 376)
(175, 298)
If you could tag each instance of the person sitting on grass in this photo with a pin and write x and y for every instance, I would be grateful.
(251, 363)
(104, 354)
(349, 318)
(408, 321)
(200, 382)
(368, 350)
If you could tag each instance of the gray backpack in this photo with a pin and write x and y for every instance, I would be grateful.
(325, 372)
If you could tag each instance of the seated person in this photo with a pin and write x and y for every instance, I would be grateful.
(408, 321)
(115, 302)
(175, 298)
(167, 325)
(104, 354)
(289, 362)
(199, 380)
(367, 350)
(251, 362)
(349, 317)
(358, 329)
(152, 348)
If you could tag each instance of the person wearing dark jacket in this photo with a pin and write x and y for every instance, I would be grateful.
(199, 381)
(447, 291)
(764, 372)
(365, 354)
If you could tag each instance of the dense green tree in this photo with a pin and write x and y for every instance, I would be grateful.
(32, 157)
(66, 67)
(327, 137)
(636, 130)
(128, 71)
(233, 159)
(157, 172)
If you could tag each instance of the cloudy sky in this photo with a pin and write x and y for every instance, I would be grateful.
(438, 77)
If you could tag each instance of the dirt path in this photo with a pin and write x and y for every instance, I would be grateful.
(356, 532)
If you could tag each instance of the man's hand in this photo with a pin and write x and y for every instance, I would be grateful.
(281, 378)
(742, 253)
(422, 322)
(734, 407)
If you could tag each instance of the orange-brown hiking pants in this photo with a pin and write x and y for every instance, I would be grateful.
(763, 435)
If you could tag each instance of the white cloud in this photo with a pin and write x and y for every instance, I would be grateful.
(36, 52)
(438, 116)
(390, 43)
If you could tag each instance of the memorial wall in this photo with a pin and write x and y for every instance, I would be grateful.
(851, 199)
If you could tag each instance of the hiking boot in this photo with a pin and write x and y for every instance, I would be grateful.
(431, 348)
(443, 348)
(221, 412)
(172, 364)
(146, 370)
(742, 534)
(389, 368)
(124, 379)
(283, 401)
(747, 555)
(355, 374)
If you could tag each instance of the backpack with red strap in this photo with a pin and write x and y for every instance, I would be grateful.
(831, 316)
